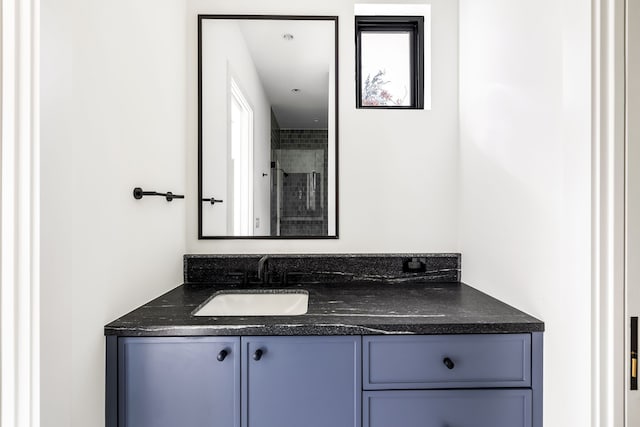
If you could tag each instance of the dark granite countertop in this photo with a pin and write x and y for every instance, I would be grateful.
(353, 308)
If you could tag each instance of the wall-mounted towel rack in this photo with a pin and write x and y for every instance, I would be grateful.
(138, 193)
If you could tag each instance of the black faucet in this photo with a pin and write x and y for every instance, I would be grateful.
(262, 265)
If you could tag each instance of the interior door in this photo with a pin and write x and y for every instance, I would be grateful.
(632, 207)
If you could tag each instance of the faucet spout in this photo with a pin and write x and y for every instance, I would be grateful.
(262, 264)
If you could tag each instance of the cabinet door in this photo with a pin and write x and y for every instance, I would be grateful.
(169, 382)
(441, 408)
(301, 381)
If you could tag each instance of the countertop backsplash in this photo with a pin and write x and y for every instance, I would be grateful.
(324, 268)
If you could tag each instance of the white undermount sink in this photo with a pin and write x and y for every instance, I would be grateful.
(263, 302)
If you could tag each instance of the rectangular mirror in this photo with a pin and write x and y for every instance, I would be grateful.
(267, 127)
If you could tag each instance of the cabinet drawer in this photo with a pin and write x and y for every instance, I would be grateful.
(446, 361)
(437, 408)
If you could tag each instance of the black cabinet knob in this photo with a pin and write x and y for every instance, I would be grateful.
(257, 355)
(448, 363)
(222, 355)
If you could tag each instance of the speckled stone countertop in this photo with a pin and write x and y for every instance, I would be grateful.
(351, 308)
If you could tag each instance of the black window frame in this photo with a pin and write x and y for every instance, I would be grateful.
(393, 24)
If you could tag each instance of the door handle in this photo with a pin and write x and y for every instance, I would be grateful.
(633, 383)
(213, 200)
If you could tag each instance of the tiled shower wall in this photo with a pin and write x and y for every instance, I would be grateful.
(302, 143)
(275, 147)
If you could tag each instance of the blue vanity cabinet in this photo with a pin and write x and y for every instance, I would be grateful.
(311, 381)
(464, 380)
(169, 382)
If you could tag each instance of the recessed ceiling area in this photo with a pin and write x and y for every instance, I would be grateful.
(294, 59)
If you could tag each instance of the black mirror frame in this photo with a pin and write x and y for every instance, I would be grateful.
(415, 26)
(201, 200)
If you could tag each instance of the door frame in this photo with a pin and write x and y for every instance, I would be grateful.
(246, 225)
(626, 326)
(608, 214)
(20, 213)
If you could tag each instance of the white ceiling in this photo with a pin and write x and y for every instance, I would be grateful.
(303, 63)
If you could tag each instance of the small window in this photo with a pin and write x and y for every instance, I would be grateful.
(390, 62)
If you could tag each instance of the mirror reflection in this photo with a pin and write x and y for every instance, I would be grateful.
(267, 127)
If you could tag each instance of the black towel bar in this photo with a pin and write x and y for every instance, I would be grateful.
(138, 193)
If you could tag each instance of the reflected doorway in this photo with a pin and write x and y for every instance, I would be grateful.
(240, 164)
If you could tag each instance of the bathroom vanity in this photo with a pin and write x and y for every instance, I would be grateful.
(386, 341)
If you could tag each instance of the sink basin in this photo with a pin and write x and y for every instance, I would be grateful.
(272, 302)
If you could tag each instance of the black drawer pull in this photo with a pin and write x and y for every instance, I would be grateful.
(257, 355)
(222, 355)
(448, 363)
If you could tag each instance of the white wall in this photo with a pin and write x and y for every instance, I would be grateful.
(525, 177)
(119, 96)
(225, 55)
(113, 85)
(118, 100)
(398, 170)
(56, 204)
